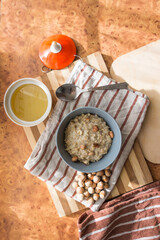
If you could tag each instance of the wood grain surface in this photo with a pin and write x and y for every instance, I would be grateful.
(113, 27)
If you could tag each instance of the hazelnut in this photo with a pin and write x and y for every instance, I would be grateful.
(95, 145)
(94, 185)
(95, 128)
(96, 179)
(95, 196)
(111, 134)
(100, 173)
(80, 184)
(80, 190)
(86, 188)
(88, 183)
(102, 194)
(86, 162)
(80, 197)
(75, 185)
(105, 178)
(74, 159)
(100, 185)
(82, 147)
(82, 178)
(90, 153)
(90, 176)
(107, 172)
(97, 190)
(86, 194)
(90, 190)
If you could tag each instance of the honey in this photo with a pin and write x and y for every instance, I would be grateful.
(29, 102)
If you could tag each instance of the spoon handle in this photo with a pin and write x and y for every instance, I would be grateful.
(123, 85)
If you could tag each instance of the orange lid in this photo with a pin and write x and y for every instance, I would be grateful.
(57, 51)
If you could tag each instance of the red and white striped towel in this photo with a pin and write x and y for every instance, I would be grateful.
(126, 106)
(134, 215)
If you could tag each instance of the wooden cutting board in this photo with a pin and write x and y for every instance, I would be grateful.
(141, 69)
(135, 172)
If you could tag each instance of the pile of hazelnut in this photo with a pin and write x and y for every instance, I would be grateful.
(91, 186)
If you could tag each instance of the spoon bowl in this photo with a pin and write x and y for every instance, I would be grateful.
(69, 92)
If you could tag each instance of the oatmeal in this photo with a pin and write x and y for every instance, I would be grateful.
(87, 138)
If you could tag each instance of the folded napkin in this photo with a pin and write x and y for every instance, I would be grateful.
(134, 215)
(126, 106)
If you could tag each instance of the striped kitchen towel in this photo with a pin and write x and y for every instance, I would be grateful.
(126, 106)
(134, 215)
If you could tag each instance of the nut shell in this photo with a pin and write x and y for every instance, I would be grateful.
(111, 134)
(100, 173)
(105, 178)
(86, 194)
(74, 159)
(95, 128)
(95, 196)
(97, 190)
(90, 176)
(94, 185)
(88, 183)
(100, 185)
(96, 179)
(91, 153)
(80, 190)
(82, 177)
(107, 172)
(102, 194)
(91, 190)
(80, 183)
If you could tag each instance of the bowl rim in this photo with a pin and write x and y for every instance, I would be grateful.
(7, 101)
(75, 165)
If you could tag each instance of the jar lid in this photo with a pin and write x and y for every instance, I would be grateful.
(57, 51)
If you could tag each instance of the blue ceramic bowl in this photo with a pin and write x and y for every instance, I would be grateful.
(107, 159)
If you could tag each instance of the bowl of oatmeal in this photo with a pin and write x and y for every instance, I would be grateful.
(88, 139)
